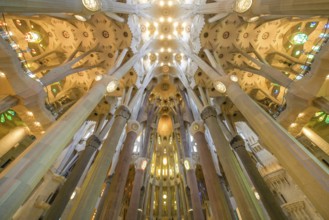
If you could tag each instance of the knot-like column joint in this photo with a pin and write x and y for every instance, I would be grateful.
(197, 126)
(237, 142)
(133, 126)
(208, 112)
(93, 142)
(141, 163)
(122, 111)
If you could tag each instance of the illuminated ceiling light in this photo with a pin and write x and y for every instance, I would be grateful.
(170, 3)
(257, 195)
(29, 113)
(301, 115)
(234, 78)
(164, 161)
(92, 5)
(36, 123)
(161, 37)
(98, 77)
(293, 125)
(327, 76)
(162, 50)
(33, 37)
(164, 196)
(169, 50)
(161, 3)
(161, 19)
(220, 87)
(113, 85)
(176, 24)
(155, 24)
(242, 6)
(187, 164)
(2, 74)
(80, 18)
(169, 19)
(169, 37)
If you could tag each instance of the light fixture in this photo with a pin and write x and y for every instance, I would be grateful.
(92, 5)
(187, 164)
(29, 113)
(113, 85)
(164, 196)
(164, 161)
(2, 74)
(98, 77)
(33, 37)
(301, 115)
(80, 18)
(242, 6)
(234, 78)
(220, 87)
(36, 123)
(293, 125)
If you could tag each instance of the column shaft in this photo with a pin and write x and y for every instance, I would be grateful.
(63, 197)
(196, 203)
(219, 205)
(311, 176)
(8, 102)
(245, 198)
(113, 198)
(135, 195)
(21, 178)
(271, 205)
(92, 186)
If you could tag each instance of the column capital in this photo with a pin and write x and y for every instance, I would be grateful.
(141, 163)
(208, 112)
(133, 126)
(197, 126)
(123, 111)
(93, 142)
(237, 142)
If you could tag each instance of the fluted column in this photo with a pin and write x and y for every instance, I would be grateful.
(8, 102)
(92, 186)
(113, 198)
(219, 205)
(311, 176)
(244, 196)
(190, 171)
(21, 178)
(63, 197)
(271, 205)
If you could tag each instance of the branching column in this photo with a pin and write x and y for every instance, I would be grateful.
(113, 198)
(219, 205)
(68, 188)
(272, 207)
(190, 172)
(247, 203)
(310, 175)
(91, 188)
(23, 176)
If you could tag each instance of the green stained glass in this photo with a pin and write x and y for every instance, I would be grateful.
(321, 118)
(318, 114)
(327, 119)
(11, 112)
(9, 117)
(2, 119)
